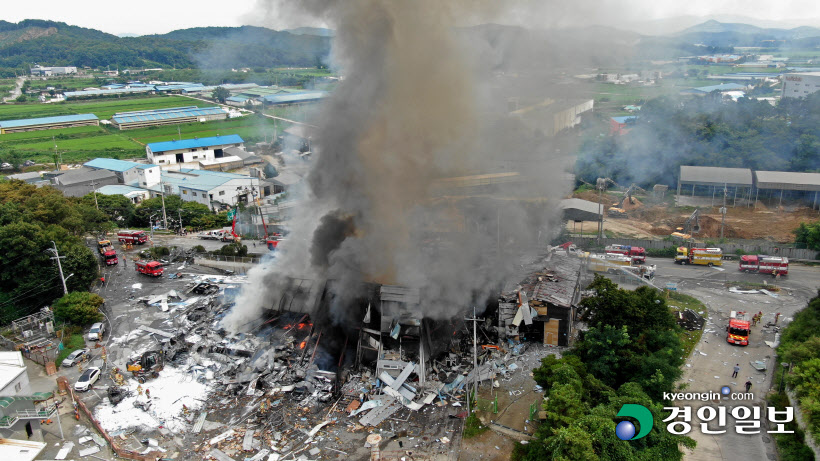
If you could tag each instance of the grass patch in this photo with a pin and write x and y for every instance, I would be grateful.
(792, 447)
(679, 302)
(473, 427)
(75, 341)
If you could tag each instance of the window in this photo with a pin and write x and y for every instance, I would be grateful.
(193, 193)
(222, 192)
(184, 192)
(18, 386)
(193, 150)
(159, 161)
(144, 183)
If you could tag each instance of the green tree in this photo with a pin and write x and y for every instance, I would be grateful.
(808, 234)
(220, 94)
(21, 98)
(79, 308)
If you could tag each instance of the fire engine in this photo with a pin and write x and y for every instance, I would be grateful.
(702, 256)
(152, 268)
(110, 257)
(610, 263)
(273, 241)
(764, 264)
(638, 254)
(738, 330)
(134, 237)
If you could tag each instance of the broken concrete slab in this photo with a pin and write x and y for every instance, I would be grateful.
(221, 437)
(219, 455)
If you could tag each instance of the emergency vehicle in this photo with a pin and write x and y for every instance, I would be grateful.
(152, 268)
(701, 256)
(610, 262)
(738, 330)
(134, 237)
(110, 257)
(764, 264)
(638, 254)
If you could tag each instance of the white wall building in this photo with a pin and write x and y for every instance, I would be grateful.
(13, 376)
(211, 188)
(800, 85)
(191, 151)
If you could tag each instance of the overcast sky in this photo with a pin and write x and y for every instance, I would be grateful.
(157, 17)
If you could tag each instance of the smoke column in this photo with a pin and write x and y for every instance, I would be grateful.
(408, 112)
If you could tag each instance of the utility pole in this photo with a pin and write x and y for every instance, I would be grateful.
(164, 215)
(94, 189)
(475, 358)
(180, 220)
(723, 212)
(59, 265)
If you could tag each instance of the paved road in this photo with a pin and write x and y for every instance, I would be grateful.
(710, 366)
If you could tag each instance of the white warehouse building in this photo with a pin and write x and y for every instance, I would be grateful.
(190, 152)
(800, 85)
(211, 188)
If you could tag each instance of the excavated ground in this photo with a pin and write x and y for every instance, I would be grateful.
(657, 220)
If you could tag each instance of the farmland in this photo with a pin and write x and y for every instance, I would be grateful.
(80, 144)
(103, 109)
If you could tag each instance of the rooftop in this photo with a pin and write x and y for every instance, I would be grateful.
(83, 174)
(715, 175)
(158, 147)
(112, 164)
(198, 179)
(165, 114)
(47, 120)
(625, 119)
(721, 87)
(104, 91)
(119, 189)
(11, 366)
(787, 180)
(294, 97)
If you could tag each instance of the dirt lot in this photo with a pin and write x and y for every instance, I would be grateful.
(647, 220)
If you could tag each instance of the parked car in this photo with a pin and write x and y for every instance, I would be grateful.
(75, 357)
(96, 331)
(87, 379)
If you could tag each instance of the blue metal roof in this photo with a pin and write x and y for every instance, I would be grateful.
(179, 86)
(111, 164)
(118, 189)
(157, 147)
(78, 94)
(165, 114)
(198, 179)
(237, 99)
(47, 120)
(625, 119)
(294, 97)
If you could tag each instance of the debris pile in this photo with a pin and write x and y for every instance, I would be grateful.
(690, 320)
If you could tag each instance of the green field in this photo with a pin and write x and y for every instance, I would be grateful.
(250, 128)
(64, 83)
(103, 109)
(75, 144)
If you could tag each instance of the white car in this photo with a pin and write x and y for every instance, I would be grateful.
(96, 332)
(75, 357)
(87, 379)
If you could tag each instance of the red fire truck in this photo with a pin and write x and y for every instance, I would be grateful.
(638, 254)
(134, 237)
(152, 268)
(110, 257)
(764, 264)
(738, 330)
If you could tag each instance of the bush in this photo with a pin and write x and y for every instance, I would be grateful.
(473, 426)
(661, 252)
(199, 249)
(79, 308)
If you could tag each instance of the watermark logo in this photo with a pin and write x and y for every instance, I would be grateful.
(625, 430)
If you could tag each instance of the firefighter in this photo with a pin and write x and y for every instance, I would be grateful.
(148, 393)
(139, 389)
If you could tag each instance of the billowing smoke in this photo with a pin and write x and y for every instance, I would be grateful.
(395, 194)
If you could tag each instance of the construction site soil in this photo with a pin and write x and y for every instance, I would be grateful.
(655, 219)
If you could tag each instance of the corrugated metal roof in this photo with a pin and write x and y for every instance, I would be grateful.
(198, 179)
(111, 164)
(83, 174)
(294, 97)
(158, 147)
(47, 120)
(711, 175)
(721, 87)
(576, 209)
(166, 114)
(119, 189)
(787, 180)
(79, 94)
(625, 119)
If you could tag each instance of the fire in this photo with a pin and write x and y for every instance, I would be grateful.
(287, 327)
(303, 325)
(302, 344)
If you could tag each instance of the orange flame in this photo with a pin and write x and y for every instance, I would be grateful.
(302, 344)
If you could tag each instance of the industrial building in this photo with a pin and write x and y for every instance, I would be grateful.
(211, 188)
(621, 125)
(777, 185)
(552, 116)
(723, 88)
(40, 71)
(127, 172)
(107, 92)
(135, 194)
(48, 123)
(711, 181)
(170, 116)
(193, 151)
(81, 181)
(800, 85)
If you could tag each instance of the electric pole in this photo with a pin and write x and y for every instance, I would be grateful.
(723, 212)
(475, 358)
(94, 189)
(164, 216)
(180, 220)
(59, 265)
